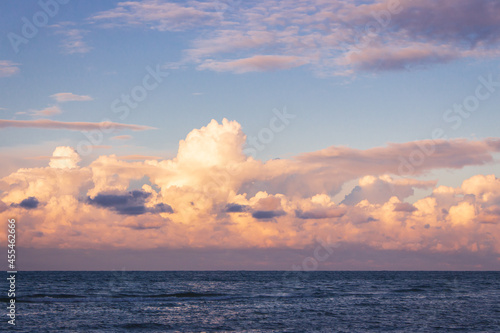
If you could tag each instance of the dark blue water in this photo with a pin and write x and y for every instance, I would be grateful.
(257, 302)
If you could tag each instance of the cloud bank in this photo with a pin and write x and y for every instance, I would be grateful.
(211, 195)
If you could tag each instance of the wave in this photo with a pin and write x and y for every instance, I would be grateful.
(141, 326)
(51, 296)
(186, 294)
(409, 290)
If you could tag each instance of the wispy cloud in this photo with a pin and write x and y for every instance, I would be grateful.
(72, 126)
(121, 137)
(159, 15)
(8, 68)
(335, 37)
(258, 63)
(72, 41)
(47, 112)
(70, 97)
(139, 157)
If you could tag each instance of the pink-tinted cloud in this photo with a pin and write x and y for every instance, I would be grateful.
(8, 68)
(258, 63)
(411, 157)
(335, 37)
(73, 41)
(160, 15)
(378, 190)
(70, 97)
(139, 157)
(383, 58)
(121, 137)
(460, 21)
(47, 112)
(72, 126)
(213, 196)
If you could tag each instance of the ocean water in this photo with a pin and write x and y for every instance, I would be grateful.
(256, 302)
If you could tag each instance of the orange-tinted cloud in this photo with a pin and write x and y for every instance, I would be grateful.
(211, 195)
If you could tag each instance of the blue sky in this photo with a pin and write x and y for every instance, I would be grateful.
(362, 110)
(240, 61)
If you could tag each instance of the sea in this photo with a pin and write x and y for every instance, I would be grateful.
(249, 301)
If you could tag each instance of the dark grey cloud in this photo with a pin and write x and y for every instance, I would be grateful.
(267, 214)
(321, 213)
(131, 203)
(404, 207)
(28, 203)
(161, 208)
(235, 208)
(131, 210)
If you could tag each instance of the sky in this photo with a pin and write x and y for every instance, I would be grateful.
(255, 135)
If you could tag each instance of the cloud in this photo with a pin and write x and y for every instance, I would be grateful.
(121, 137)
(384, 59)
(47, 112)
(395, 158)
(212, 196)
(235, 208)
(131, 203)
(321, 213)
(378, 190)
(159, 15)
(404, 207)
(161, 208)
(70, 97)
(8, 68)
(267, 214)
(335, 37)
(139, 157)
(257, 63)
(73, 41)
(72, 126)
(460, 21)
(29, 203)
(64, 158)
